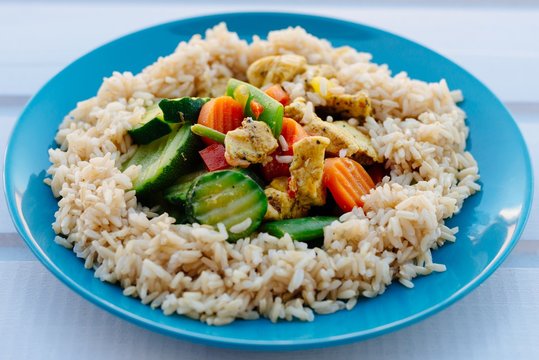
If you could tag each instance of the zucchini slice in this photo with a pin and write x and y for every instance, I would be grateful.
(273, 110)
(151, 127)
(185, 109)
(229, 197)
(177, 193)
(164, 160)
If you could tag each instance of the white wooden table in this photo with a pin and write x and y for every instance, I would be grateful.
(41, 319)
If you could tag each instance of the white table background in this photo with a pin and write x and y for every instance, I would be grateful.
(496, 40)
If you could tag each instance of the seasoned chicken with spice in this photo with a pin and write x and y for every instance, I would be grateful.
(307, 169)
(252, 143)
(341, 134)
(275, 69)
(296, 109)
(356, 106)
(366, 154)
(339, 138)
(280, 204)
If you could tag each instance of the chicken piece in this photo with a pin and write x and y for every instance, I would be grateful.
(275, 69)
(341, 134)
(305, 183)
(296, 109)
(307, 169)
(356, 106)
(366, 154)
(280, 204)
(252, 143)
(338, 137)
(279, 183)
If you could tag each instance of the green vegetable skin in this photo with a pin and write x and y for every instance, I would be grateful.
(159, 118)
(228, 197)
(185, 109)
(177, 193)
(164, 160)
(303, 229)
(151, 127)
(273, 110)
(205, 131)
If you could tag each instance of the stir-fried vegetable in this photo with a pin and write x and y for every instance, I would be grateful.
(347, 181)
(222, 114)
(208, 133)
(228, 197)
(303, 229)
(152, 126)
(256, 109)
(214, 157)
(273, 110)
(160, 118)
(164, 160)
(177, 193)
(246, 135)
(278, 93)
(185, 109)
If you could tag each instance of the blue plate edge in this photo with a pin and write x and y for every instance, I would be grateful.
(253, 344)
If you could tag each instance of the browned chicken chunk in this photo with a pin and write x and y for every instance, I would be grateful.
(252, 143)
(275, 69)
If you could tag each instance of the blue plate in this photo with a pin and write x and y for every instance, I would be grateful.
(490, 222)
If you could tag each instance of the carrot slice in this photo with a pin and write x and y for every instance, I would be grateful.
(278, 93)
(222, 114)
(347, 181)
(292, 132)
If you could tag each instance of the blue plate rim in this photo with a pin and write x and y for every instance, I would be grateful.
(293, 344)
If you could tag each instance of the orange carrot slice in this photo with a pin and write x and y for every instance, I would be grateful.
(347, 181)
(222, 114)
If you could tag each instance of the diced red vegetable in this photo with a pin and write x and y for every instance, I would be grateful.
(222, 114)
(275, 169)
(214, 157)
(278, 93)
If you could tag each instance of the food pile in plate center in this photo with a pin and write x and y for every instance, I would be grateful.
(278, 178)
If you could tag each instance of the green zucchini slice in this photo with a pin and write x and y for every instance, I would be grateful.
(229, 197)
